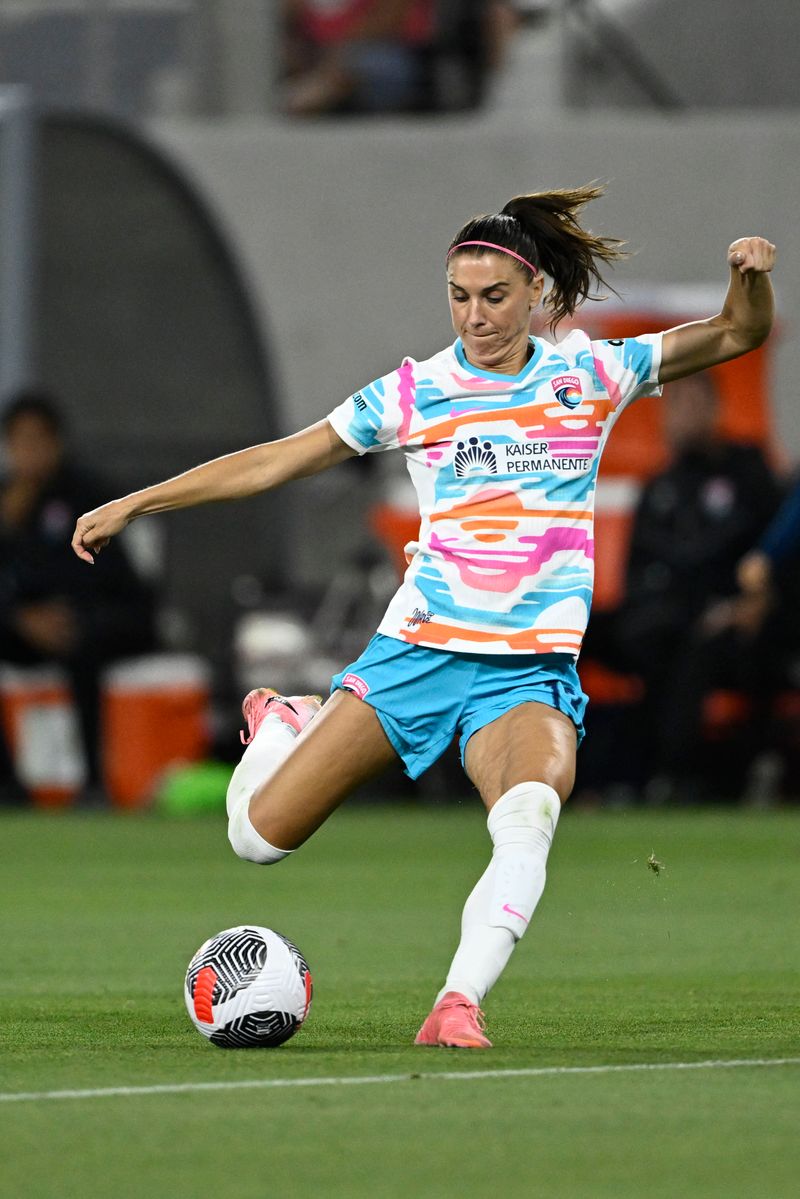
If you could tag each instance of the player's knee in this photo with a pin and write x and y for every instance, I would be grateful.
(247, 842)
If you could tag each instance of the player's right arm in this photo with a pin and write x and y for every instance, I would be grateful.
(742, 325)
(232, 477)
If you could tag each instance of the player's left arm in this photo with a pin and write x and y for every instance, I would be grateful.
(742, 325)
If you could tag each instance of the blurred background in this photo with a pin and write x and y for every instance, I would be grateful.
(218, 218)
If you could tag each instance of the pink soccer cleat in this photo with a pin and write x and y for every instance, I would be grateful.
(454, 1023)
(294, 710)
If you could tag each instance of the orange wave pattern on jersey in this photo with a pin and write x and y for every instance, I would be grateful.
(491, 506)
(533, 417)
(521, 641)
(487, 523)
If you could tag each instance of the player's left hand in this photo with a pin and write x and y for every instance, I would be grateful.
(754, 254)
(94, 530)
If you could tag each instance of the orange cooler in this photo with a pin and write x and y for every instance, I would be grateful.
(43, 734)
(155, 714)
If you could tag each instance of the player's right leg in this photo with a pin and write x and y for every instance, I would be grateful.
(519, 739)
(297, 770)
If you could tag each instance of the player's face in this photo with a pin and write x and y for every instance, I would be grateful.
(490, 306)
(33, 449)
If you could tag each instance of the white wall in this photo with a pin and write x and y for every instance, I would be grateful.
(342, 227)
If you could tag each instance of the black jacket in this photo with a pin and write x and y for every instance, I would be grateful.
(114, 606)
(693, 523)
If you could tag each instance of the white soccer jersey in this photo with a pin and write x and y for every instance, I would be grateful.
(505, 470)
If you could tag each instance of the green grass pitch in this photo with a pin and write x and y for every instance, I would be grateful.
(101, 914)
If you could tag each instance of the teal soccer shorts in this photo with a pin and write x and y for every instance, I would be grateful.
(423, 696)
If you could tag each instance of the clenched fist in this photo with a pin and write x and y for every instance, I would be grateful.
(751, 254)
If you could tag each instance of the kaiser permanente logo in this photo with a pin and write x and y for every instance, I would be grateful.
(475, 457)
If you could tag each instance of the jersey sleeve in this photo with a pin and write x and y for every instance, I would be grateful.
(371, 419)
(627, 368)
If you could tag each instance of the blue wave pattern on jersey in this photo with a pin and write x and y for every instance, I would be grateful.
(633, 354)
(430, 401)
(368, 413)
(439, 597)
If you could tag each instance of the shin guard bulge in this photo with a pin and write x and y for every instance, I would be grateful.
(269, 747)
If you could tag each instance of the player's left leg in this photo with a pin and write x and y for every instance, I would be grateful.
(301, 761)
(523, 764)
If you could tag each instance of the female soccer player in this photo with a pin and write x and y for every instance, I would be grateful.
(503, 435)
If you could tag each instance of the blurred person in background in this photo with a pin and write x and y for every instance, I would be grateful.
(769, 583)
(49, 613)
(761, 568)
(390, 56)
(503, 434)
(684, 627)
(364, 56)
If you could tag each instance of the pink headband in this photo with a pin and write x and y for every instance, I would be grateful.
(490, 245)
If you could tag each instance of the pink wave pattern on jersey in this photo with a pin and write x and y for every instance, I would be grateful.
(595, 412)
(476, 383)
(614, 393)
(512, 566)
(561, 445)
(406, 392)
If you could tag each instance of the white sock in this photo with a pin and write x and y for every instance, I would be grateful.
(270, 746)
(496, 914)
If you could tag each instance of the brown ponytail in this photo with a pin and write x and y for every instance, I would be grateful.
(543, 228)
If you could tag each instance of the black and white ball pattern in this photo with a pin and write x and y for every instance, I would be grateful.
(248, 987)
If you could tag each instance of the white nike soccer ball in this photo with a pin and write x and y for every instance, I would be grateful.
(248, 987)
